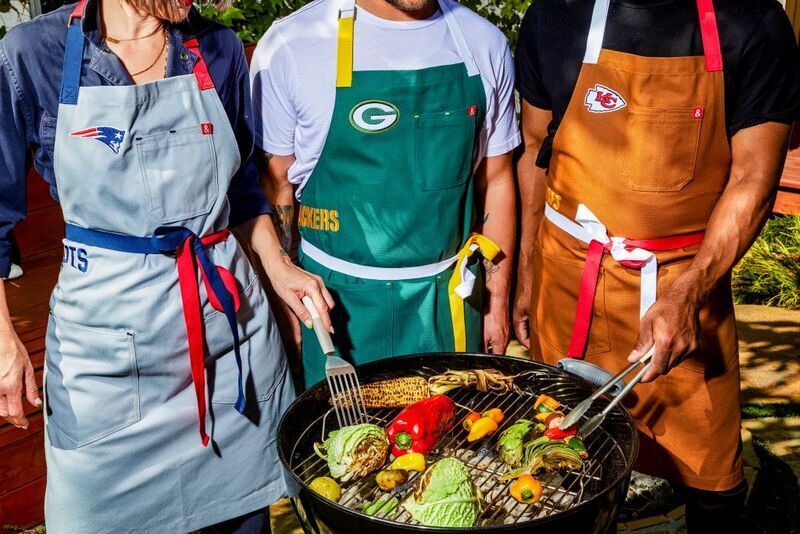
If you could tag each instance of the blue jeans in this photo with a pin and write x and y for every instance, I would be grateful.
(253, 523)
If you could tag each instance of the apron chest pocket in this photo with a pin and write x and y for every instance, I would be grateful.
(443, 148)
(91, 384)
(179, 173)
(663, 153)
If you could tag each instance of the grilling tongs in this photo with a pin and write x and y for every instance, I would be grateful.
(346, 397)
(591, 425)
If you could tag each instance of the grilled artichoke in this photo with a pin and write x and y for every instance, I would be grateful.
(545, 454)
(509, 446)
(354, 451)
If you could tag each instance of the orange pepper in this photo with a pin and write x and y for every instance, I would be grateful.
(483, 427)
(496, 414)
(526, 489)
(469, 420)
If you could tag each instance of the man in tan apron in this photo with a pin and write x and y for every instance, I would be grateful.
(648, 204)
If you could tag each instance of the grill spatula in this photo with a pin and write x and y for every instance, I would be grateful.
(348, 402)
(592, 424)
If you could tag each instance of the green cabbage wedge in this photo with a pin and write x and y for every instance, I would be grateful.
(445, 496)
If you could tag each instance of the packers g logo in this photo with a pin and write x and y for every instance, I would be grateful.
(374, 116)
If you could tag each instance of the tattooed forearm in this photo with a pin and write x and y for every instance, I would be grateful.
(268, 156)
(490, 267)
(283, 216)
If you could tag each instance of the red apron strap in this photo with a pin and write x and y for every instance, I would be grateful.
(78, 12)
(583, 311)
(591, 273)
(710, 35)
(193, 317)
(200, 68)
(667, 243)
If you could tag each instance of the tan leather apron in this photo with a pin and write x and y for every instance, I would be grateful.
(639, 161)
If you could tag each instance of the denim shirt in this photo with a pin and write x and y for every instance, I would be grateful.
(31, 58)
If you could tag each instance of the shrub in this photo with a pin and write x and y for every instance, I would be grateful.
(251, 18)
(770, 271)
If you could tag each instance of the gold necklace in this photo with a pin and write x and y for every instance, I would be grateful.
(153, 64)
(114, 40)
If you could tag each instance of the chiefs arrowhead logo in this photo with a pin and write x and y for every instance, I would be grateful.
(601, 99)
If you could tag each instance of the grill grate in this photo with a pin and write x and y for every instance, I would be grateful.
(562, 490)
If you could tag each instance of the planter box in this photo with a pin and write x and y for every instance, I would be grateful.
(788, 201)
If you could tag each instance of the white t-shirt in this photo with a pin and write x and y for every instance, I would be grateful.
(293, 75)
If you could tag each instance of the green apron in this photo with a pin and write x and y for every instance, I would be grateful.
(390, 204)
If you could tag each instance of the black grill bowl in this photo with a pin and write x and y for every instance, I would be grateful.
(596, 513)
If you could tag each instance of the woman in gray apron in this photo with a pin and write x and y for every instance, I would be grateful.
(165, 376)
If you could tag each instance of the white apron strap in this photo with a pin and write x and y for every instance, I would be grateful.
(374, 273)
(597, 29)
(458, 36)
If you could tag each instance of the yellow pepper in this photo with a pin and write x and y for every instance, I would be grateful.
(496, 414)
(413, 461)
(526, 489)
(485, 426)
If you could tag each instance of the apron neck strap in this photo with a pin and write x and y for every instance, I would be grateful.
(73, 59)
(344, 44)
(73, 56)
(710, 35)
(344, 41)
(200, 69)
(708, 32)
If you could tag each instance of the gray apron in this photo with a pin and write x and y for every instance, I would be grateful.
(124, 399)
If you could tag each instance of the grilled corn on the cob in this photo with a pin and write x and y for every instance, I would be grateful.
(395, 392)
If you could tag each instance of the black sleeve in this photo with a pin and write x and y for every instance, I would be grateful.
(767, 77)
(529, 75)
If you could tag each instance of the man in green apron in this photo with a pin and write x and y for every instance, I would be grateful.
(393, 123)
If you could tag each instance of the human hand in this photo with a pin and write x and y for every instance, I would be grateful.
(291, 284)
(16, 380)
(673, 325)
(496, 328)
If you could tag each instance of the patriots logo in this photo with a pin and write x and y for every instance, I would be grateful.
(109, 136)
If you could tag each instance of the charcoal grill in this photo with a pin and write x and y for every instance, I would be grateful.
(584, 501)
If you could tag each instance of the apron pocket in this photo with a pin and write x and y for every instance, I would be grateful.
(91, 384)
(663, 149)
(555, 288)
(263, 359)
(443, 148)
(179, 173)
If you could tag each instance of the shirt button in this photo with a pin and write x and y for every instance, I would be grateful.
(184, 56)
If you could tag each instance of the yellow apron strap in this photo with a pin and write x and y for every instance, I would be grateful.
(489, 250)
(344, 53)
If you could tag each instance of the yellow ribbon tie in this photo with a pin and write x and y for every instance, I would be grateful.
(344, 53)
(489, 250)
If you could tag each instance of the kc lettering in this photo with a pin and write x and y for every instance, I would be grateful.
(602, 99)
(76, 258)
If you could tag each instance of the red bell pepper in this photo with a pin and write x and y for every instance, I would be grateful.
(556, 433)
(421, 425)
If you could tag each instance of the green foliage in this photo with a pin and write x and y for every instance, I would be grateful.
(505, 14)
(758, 411)
(6, 6)
(770, 271)
(251, 18)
